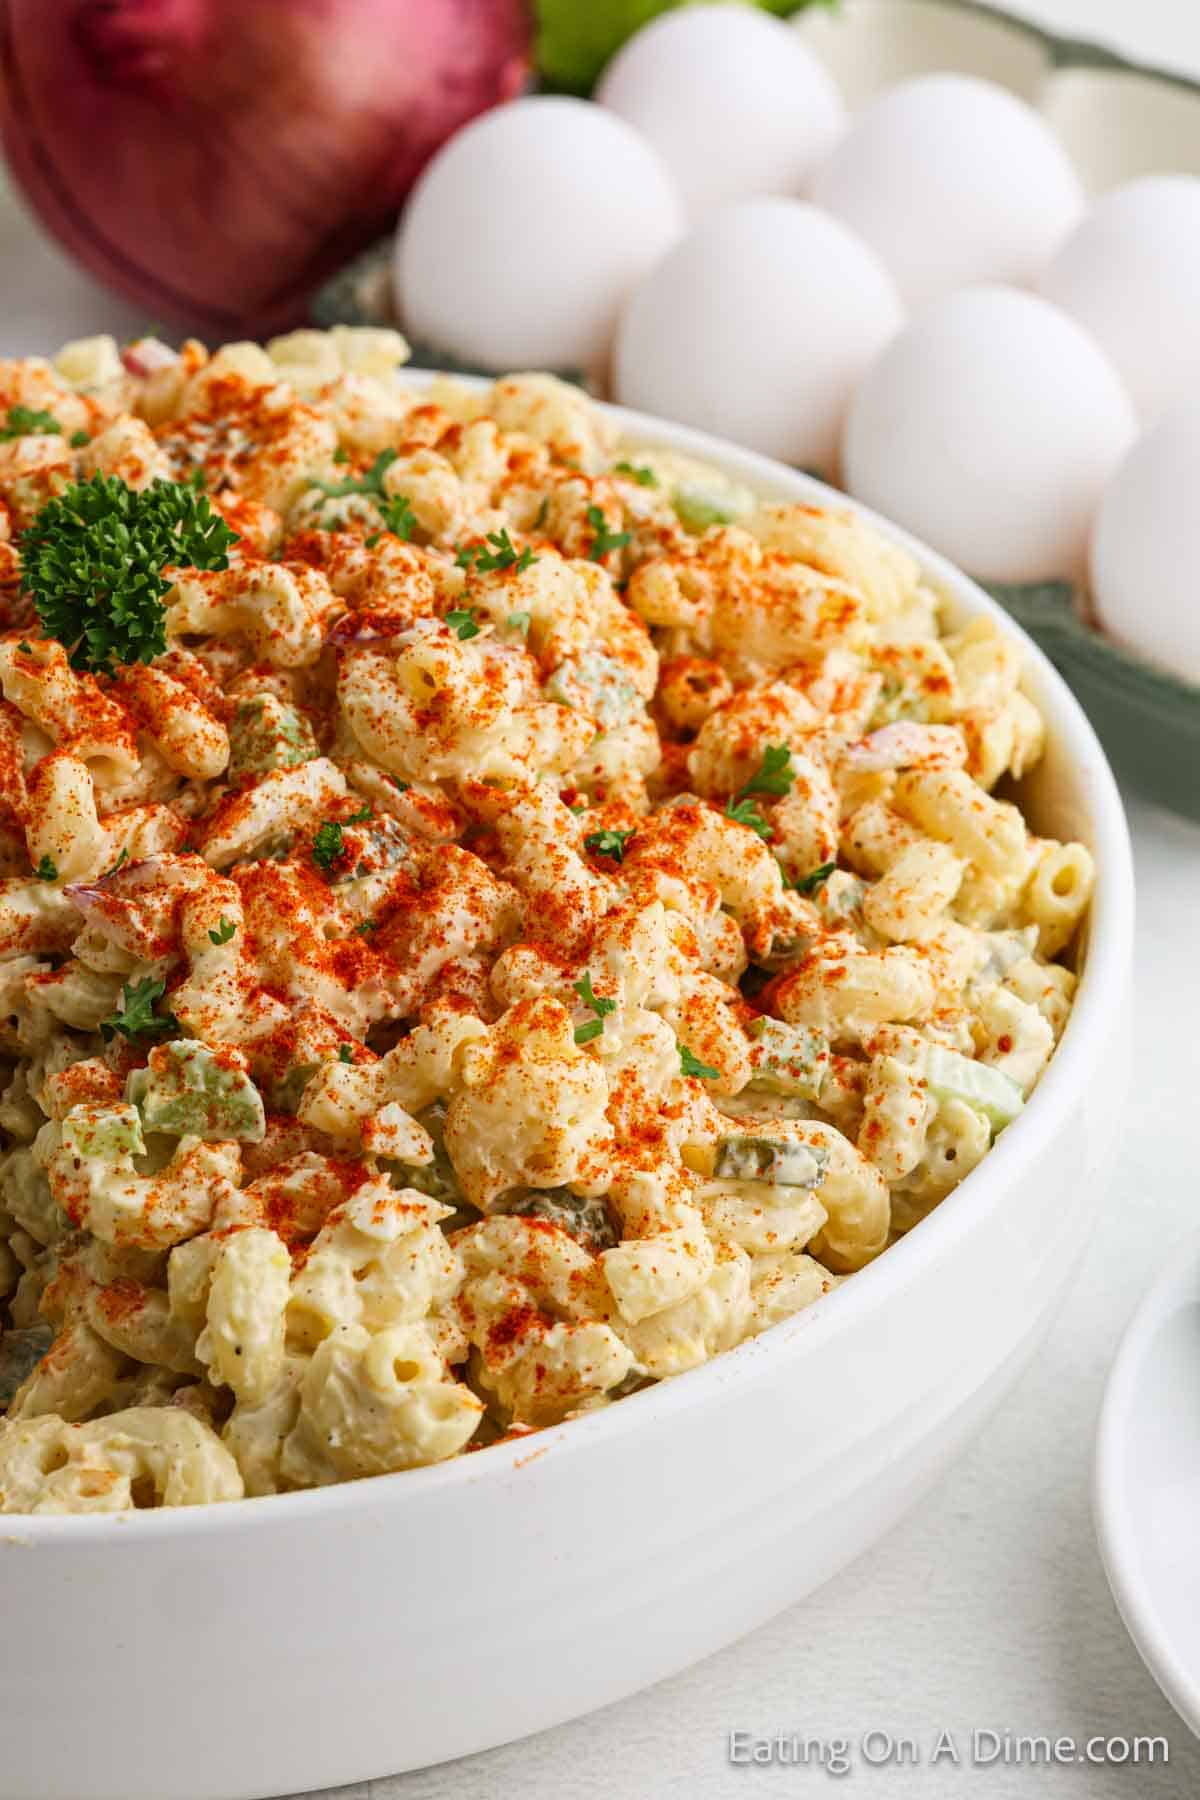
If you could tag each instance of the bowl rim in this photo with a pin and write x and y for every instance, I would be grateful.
(1098, 1003)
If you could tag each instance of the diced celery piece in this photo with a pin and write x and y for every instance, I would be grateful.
(778, 1160)
(268, 734)
(991, 1092)
(1004, 950)
(788, 1059)
(285, 1092)
(106, 1132)
(596, 684)
(840, 897)
(437, 1179)
(588, 1221)
(697, 508)
(188, 1091)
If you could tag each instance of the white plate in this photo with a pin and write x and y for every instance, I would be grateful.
(1147, 1481)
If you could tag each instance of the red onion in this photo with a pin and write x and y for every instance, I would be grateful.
(215, 160)
(145, 356)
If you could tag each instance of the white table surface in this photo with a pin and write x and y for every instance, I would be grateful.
(987, 1609)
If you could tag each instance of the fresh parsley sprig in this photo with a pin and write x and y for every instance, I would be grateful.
(584, 1034)
(774, 774)
(604, 539)
(808, 884)
(24, 421)
(691, 1065)
(327, 844)
(744, 812)
(371, 483)
(645, 477)
(462, 622)
(398, 515)
(394, 509)
(136, 1018)
(608, 843)
(329, 840)
(93, 562)
(502, 555)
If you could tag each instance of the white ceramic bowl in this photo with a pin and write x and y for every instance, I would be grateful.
(310, 1639)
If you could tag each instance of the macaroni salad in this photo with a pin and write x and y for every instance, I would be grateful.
(490, 917)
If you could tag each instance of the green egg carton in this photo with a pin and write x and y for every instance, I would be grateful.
(1118, 120)
(1147, 719)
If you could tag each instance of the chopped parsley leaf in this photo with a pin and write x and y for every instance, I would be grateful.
(136, 1017)
(327, 844)
(395, 509)
(47, 870)
(123, 858)
(608, 843)
(23, 421)
(345, 1053)
(370, 483)
(584, 1034)
(597, 1002)
(744, 812)
(774, 774)
(642, 475)
(462, 622)
(398, 516)
(26, 649)
(341, 454)
(691, 1065)
(79, 439)
(502, 555)
(356, 818)
(223, 933)
(808, 884)
(604, 540)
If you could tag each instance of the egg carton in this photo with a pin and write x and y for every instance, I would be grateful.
(1118, 120)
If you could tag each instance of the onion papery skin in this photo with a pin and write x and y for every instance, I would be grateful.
(215, 160)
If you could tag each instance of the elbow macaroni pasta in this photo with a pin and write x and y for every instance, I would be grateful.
(544, 919)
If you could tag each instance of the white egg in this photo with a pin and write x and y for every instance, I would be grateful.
(1130, 272)
(526, 231)
(1146, 546)
(734, 102)
(757, 327)
(953, 181)
(990, 428)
